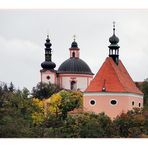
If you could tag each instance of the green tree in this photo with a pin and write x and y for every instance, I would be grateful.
(130, 124)
(69, 101)
(11, 87)
(44, 90)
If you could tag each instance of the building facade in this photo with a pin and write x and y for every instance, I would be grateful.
(72, 74)
(112, 90)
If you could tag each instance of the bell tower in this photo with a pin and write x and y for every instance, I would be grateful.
(74, 50)
(48, 74)
(113, 47)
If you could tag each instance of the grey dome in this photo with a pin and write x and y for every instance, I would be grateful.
(74, 66)
(113, 39)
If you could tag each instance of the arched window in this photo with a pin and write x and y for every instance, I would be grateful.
(73, 85)
(139, 104)
(73, 54)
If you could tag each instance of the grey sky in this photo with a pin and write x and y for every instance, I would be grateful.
(23, 34)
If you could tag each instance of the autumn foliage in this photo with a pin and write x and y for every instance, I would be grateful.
(53, 116)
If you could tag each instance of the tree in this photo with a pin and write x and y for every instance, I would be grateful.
(130, 124)
(44, 90)
(64, 101)
(70, 100)
(54, 103)
(144, 88)
(11, 87)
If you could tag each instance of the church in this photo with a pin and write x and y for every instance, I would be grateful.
(111, 91)
(72, 74)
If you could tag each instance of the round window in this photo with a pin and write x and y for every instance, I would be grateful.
(113, 102)
(92, 102)
(48, 77)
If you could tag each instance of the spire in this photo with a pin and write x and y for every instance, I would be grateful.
(74, 43)
(114, 27)
(74, 38)
(48, 64)
(113, 47)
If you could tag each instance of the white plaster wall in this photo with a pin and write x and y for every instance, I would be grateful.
(82, 82)
(52, 77)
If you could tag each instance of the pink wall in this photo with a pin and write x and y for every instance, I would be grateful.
(52, 75)
(77, 54)
(82, 80)
(124, 103)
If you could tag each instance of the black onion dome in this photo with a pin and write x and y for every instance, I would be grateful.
(48, 44)
(48, 65)
(74, 66)
(114, 39)
(74, 45)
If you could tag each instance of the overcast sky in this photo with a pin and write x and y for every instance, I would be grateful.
(23, 34)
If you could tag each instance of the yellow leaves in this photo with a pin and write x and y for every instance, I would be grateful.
(38, 103)
(38, 117)
(55, 101)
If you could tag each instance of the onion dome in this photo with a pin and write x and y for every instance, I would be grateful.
(48, 64)
(114, 40)
(74, 43)
(74, 66)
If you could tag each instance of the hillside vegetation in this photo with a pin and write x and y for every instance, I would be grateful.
(50, 112)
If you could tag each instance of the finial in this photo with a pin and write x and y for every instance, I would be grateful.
(114, 27)
(48, 36)
(74, 37)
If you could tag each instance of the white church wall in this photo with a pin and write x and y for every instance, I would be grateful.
(82, 81)
(52, 77)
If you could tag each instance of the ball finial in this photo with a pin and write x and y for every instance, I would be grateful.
(74, 38)
(114, 27)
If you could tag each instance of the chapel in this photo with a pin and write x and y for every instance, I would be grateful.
(112, 90)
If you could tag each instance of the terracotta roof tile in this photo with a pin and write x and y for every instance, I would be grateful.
(114, 78)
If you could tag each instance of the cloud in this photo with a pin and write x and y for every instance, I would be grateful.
(23, 34)
(19, 62)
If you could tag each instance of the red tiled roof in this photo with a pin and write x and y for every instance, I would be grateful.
(114, 78)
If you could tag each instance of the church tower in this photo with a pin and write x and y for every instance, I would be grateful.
(74, 50)
(74, 73)
(113, 47)
(112, 90)
(48, 74)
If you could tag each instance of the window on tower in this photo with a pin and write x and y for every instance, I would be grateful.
(48, 77)
(73, 54)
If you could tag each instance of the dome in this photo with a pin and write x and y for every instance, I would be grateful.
(48, 65)
(74, 44)
(113, 39)
(74, 66)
